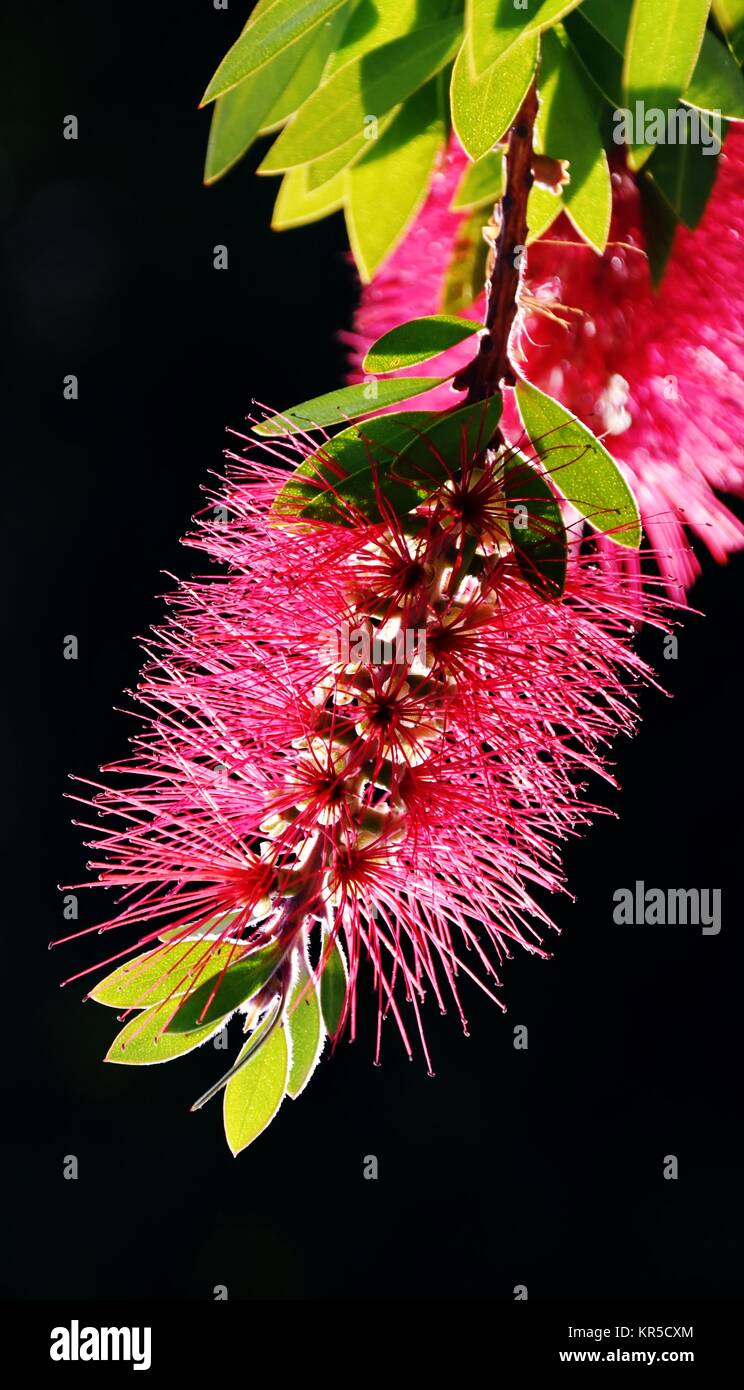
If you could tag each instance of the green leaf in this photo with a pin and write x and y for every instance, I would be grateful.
(542, 209)
(255, 1093)
(465, 276)
(340, 109)
(494, 26)
(481, 184)
(309, 73)
(661, 51)
(322, 171)
(601, 60)
(138, 1043)
(346, 404)
(659, 227)
(306, 1031)
(346, 463)
(297, 205)
(730, 16)
(580, 466)
(418, 340)
(239, 114)
(484, 106)
(536, 527)
(217, 997)
(598, 33)
(567, 129)
(274, 29)
(333, 987)
(169, 970)
(377, 22)
(717, 83)
(684, 175)
(458, 436)
(388, 185)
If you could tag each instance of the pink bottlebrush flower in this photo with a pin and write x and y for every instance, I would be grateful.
(296, 776)
(657, 371)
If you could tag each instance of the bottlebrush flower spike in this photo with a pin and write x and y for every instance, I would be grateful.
(359, 742)
(657, 371)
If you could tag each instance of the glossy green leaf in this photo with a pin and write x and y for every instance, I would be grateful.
(297, 205)
(542, 209)
(730, 16)
(598, 33)
(465, 276)
(169, 970)
(341, 109)
(659, 227)
(219, 997)
(273, 29)
(333, 987)
(485, 105)
(494, 26)
(418, 340)
(453, 439)
(684, 175)
(580, 466)
(256, 1092)
(601, 60)
(322, 171)
(661, 51)
(143, 1042)
(377, 22)
(567, 129)
(387, 187)
(536, 527)
(348, 403)
(239, 115)
(310, 71)
(717, 83)
(481, 184)
(305, 1025)
(343, 478)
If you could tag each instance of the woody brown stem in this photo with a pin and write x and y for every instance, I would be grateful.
(491, 369)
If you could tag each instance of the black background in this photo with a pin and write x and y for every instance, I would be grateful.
(542, 1167)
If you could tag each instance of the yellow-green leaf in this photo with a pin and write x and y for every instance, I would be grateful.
(341, 109)
(661, 51)
(494, 26)
(305, 1025)
(579, 466)
(168, 970)
(484, 105)
(296, 204)
(219, 996)
(481, 183)
(567, 129)
(255, 1093)
(376, 22)
(274, 28)
(417, 340)
(333, 986)
(310, 71)
(388, 185)
(143, 1042)
(348, 403)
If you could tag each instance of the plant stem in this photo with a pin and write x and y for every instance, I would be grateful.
(484, 376)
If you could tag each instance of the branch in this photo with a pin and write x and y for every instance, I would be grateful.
(484, 376)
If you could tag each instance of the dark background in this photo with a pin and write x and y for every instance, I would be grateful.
(542, 1167)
